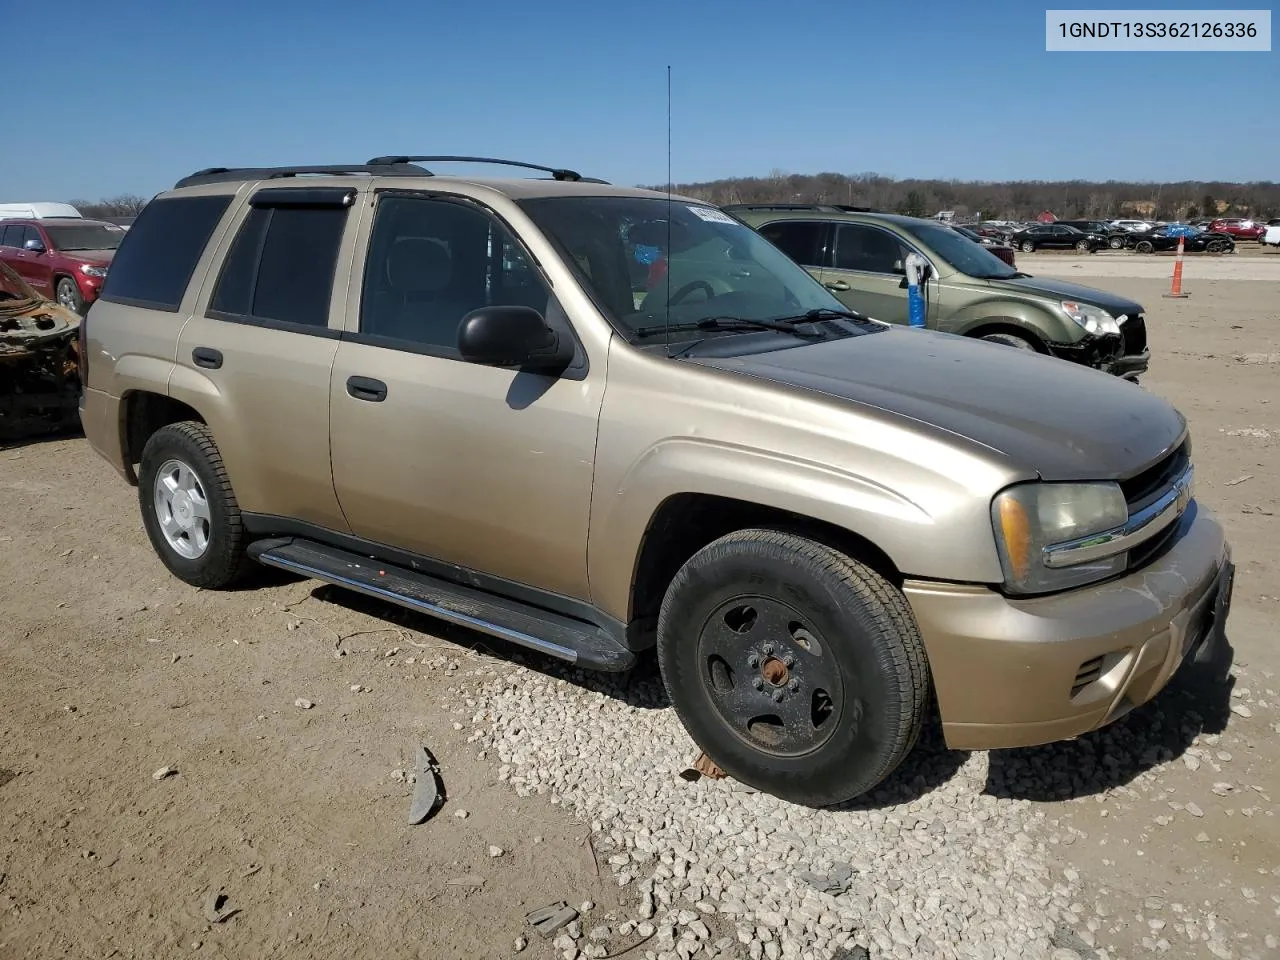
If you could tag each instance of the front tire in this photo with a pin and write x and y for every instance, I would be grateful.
(799, 671)
(1028, 246)
(1116, 243)
(68, 295)
(1010, 340)
(1084, 246)
(189, 509)
(1145, 246)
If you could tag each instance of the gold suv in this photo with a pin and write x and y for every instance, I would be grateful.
(593, 420)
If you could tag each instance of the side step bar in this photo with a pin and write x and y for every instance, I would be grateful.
(565, 638)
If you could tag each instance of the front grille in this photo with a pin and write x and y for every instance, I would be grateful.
(1089, 671)
(1144, 489)
(1134, 332)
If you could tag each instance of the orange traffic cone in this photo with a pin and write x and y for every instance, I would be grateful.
(1176, 291)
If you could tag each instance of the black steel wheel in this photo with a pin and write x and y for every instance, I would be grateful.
(798, 670)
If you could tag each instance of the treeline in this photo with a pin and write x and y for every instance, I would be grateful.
(1013, 200)
(125, 205)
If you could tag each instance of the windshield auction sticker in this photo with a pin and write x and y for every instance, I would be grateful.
(1120, 31)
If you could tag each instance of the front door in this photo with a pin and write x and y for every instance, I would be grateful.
(865, 272)
(472, 467)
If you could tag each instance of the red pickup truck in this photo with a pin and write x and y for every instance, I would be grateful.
(64, 258)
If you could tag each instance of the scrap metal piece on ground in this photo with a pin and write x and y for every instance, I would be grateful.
(547, 920)
(426, 793)
(215, 910)
(39, 377)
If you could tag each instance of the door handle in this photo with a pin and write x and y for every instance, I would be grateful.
(207, 357)
(366, 388)
(839, 285)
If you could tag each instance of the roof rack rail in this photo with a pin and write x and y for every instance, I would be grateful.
(232, 174)
(557, 173)
(843, 207)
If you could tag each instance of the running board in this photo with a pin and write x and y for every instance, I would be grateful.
(565, 638)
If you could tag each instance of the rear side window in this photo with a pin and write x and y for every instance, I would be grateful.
(154, 263)
(280, 267)
(801, 240)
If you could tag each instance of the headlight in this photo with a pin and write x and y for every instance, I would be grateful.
(1032, 516)
(1093, 319)
(91, 271)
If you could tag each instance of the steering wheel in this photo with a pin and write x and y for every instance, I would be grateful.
(689, 288)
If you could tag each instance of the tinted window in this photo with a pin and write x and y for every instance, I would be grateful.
(431, 262)
(11, 235)
(157, 256)
(868, 249)
(799, 240)
(281, 265)
(84, 236)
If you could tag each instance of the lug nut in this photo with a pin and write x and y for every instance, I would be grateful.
(768, 649)
(789, 660)
(777, 696)
(753, 661)
(758, 683)
(794, 686)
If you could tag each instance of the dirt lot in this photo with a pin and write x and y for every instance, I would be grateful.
(110, 669)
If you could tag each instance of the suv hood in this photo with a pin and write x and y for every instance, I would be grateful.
(1056, 418)
(1061, 290)
(98, 257)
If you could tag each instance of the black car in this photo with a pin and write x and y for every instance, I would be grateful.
(1058, 236)
(1166, 238)
(1117, 238)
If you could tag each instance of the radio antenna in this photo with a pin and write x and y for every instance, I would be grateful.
(666, 324)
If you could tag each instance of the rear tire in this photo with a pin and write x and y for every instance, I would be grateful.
(1084, 246)
(1028, 246)
(199, 535)
(1145, 246)
(799, 671)
(1116, 243)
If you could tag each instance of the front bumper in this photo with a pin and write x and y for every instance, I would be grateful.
(1125, 355)
(1014, 673)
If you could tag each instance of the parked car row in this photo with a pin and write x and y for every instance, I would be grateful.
(596, 421)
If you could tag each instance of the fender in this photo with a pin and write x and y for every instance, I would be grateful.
(939, 536)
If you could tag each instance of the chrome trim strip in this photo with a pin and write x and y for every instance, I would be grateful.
(444, 613)
(1148, 522)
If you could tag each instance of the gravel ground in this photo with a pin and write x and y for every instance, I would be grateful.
(1154, 837)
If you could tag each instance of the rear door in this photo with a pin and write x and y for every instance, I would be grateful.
(804, 241)
(866, 273)
(258, 350)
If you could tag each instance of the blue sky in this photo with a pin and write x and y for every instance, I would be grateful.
(152, 91)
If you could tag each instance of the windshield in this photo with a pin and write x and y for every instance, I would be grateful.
(84, 236)
(13, 288)
(713, 266)
(962, 253)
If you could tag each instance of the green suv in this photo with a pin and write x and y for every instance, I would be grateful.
(858, 255)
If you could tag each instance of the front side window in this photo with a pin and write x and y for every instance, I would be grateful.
(72, 238)
(971, 259)
(653, 265)
(868, 249)
(431, 262)
(280, 267)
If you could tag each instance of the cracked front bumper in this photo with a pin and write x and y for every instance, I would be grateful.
(1013, 673)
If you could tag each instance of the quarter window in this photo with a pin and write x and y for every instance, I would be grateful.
(430, 263)
(157, 256)
(868, 249)
(280, 267)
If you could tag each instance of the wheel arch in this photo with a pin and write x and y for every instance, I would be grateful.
(142, 413)
(684, 523)
(1010, 326)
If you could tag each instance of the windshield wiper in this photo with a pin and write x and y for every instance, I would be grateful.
(826, 313)
(730, 323)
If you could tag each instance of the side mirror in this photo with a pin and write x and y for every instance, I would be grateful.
(513, 337)
(35, 246)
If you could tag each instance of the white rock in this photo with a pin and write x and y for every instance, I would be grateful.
(303, 704)
(495, 851)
